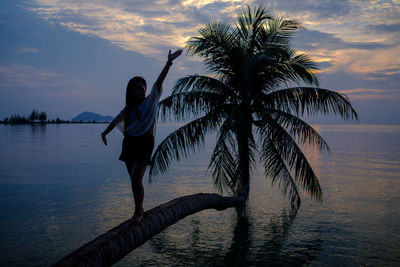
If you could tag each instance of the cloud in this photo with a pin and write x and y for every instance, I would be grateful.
(339, 14)
(141, 26)
(30, 78)
(383, 61)
(27, 50)
(26, 76)
(339, 35)
(335, 54)
(387, 28)
(312, 39)
(314, 10)
(366, 93)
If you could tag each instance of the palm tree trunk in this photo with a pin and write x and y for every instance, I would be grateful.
(243, 134)
(113, 245)
(243, 188)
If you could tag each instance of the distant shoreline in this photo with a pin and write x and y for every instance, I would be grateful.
(39, 118)
(51, 122)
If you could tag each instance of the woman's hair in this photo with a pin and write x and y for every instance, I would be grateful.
(131, 102)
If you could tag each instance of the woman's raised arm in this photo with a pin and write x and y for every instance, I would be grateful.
(164, 72)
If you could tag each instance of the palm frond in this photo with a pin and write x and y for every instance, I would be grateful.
(249, 25)
(277, 67)
(292, 155)
(299, 129)
(213, 35)
(193, 103)
(202, 83)
(218, 45)
(275, 167)
(277, 32)
(180, 143)
(223, 162)
(310, 101)
(244, 23)
(295, 67)
(253, 151)
(196, 95)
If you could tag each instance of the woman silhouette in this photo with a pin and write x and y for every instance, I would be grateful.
(137, 119)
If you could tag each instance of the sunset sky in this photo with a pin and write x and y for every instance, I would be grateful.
(65, 57)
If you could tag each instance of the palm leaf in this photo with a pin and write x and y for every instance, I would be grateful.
(295, 67)
(292, 155)
(202, 83)
(310, 100)
(219, 47)
(250, 25)
(277, 67)
(180, 143)
(276, 33)
(213, 35)
(185, 104)
(299, 129)
(275, 167)
(223, 162)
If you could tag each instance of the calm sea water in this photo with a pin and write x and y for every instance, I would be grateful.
(61, 187)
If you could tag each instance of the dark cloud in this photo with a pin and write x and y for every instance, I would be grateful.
(385, 28)
(324, 65)
(391, 81)
(342, 80)
(196, 16)
(319, 9)
(153, 29)
(311, 39)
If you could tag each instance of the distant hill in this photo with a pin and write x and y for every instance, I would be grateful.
(90, 116)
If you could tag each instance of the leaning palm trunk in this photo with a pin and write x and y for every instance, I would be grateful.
(112, 246)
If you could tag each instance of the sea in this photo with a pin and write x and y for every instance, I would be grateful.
(61, 187)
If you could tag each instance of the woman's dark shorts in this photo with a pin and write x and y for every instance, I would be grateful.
(137, 148)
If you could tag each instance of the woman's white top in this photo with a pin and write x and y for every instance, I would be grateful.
(142, 117)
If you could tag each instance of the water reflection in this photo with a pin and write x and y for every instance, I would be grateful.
(38, 129)
(279, 247)
(60, 179)
(241, 241)
(251, 245)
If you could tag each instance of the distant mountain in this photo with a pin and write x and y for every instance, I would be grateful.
(90, 116)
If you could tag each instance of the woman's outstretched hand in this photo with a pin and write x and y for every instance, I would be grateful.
(103, 136)
(172, 56)
(161, 77)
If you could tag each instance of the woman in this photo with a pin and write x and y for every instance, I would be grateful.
(139, 118)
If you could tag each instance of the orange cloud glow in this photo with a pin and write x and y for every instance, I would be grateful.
(365, 93)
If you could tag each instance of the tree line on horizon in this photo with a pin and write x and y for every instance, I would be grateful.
(35, 117)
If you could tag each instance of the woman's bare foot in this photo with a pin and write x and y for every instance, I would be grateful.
(137, 216)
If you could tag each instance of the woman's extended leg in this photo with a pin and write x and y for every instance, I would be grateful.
(137, 171)
(129, 166)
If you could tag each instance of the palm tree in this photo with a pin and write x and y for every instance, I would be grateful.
(246, 97)
(254, 89)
